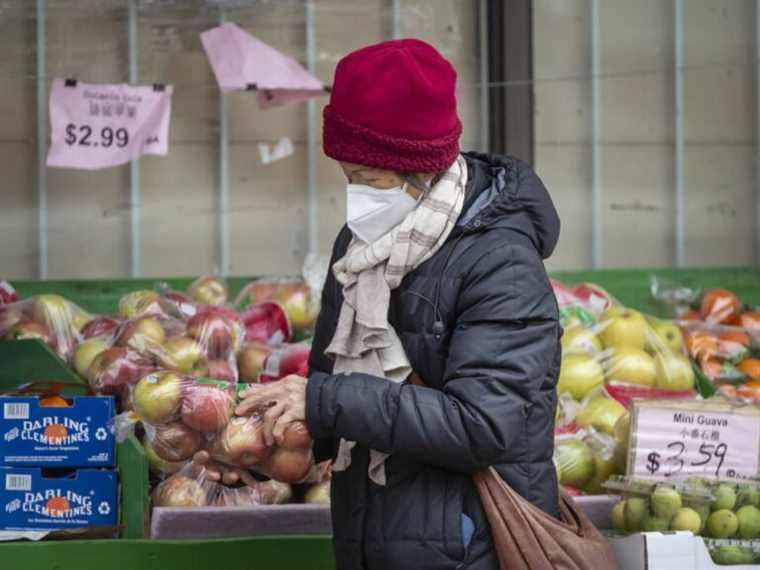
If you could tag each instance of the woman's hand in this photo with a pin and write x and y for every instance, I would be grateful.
(221, 473)
(280, 404)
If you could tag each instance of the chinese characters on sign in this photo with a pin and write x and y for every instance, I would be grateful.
(99, 126)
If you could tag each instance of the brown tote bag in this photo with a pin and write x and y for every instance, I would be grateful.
(527, 538)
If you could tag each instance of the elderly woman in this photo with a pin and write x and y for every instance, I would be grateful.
(437, 348)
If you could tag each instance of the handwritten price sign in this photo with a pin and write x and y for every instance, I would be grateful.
(699, 438)
(99, 126)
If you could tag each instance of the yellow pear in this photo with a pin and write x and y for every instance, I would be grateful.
(623, 328)
(674, 372)
(579, 374)
(600, 412)
(632, 366)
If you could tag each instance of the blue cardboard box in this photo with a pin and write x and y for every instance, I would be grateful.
(30, 500)
(77, 436)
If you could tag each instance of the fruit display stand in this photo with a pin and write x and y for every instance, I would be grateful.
(186, 549)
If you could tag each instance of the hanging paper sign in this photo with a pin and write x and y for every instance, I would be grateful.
(695, 438)
(99, 126)
(242, 62)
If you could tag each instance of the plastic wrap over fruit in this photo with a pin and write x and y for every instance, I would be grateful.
(585, 459)
(191, 486)
(8, 294)
(167, 398)
(209, 290)
(299, 298)
(286, 360)
(180, 304)
(630, 353)
(50, 318)
(241, 444)
(143, 303)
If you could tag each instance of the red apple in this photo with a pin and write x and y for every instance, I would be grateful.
(176, 442)
(181, 303)
(159, 465)
(158, 397)
(287, 465)
(290, 359)
(180, 491)
(217, 370)
(296, 436)
(266, 322)
(140, 303)
(8, 294)
(116, 368)
(26, 330)
(297, 302)
(180, 353)
(213, 332)
(208, 290)
(206, 408)
(144, 334)
(100, 326)
(241, 443)
(251, 359)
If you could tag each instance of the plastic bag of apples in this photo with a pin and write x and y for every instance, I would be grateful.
(191, 486)
(50, 318)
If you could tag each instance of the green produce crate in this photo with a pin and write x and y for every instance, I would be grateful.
(23, 361)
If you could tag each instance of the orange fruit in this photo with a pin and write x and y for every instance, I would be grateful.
(727, 390)
(749, 390)
(719, 305)
(55, 433)
(750, 320)
(701, 344)
(751, 368)
(57, 506)
(53, 402)
(711, 367)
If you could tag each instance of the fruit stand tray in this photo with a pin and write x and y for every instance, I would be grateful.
(231, 522)
(23, 361)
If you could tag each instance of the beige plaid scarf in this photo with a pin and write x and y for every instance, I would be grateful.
(364, 341)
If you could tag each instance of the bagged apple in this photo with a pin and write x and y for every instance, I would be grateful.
(111, 370)
(8, 294)
(209, 290)
(164, 397)
(286, 360)
(266, 323)
(180, 303)
(585, 460)
(143, 303)
(49, 318)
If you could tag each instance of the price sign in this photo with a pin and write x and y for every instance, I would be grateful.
(100, 126)
(699, 438)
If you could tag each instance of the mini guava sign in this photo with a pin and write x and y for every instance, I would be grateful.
(696, 438)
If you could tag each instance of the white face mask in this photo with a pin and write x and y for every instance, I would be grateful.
(372, 213)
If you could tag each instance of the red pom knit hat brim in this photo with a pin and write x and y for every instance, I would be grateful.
(346, 141)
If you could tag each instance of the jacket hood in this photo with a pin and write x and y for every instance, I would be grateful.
(505, 192)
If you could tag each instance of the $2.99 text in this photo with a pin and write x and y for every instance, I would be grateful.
(83, 136)
(674, 462)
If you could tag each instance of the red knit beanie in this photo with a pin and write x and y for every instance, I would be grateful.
(393, 106)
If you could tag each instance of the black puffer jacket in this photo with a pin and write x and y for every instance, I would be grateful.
(479, 324)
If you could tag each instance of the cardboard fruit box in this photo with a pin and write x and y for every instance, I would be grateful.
(33, 501)
(80, 435)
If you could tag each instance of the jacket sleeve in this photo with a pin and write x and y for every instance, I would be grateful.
(501, 350)
(319, 363)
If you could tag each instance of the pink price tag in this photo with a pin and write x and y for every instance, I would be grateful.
(700, 439)
(98, 126)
